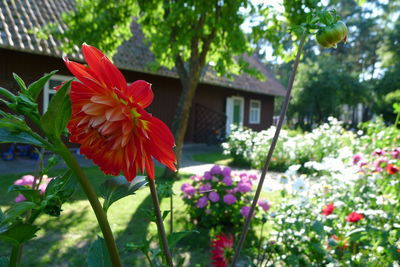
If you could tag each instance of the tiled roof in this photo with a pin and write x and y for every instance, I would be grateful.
(18, 17)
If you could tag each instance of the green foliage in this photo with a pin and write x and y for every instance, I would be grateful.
(98, 254)
(117, 188)
(58, 113)
(17, 210)
(30, 194)
(36, 87)
(19, 233)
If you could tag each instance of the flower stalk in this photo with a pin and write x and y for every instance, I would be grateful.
(271, 150)
(93, 199)
(160, 224)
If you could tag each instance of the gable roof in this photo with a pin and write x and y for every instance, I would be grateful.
(18, 17)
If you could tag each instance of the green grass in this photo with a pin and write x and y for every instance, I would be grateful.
(65, 240)
(214, 157)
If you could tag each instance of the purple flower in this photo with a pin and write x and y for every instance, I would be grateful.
(356, 158)
(253, 177)
(396, 153)
(202, 202)
(226, 171)
(264, 204)
(42, 188)
(205, 188)
(245, 210)
(207, 176)
(20, 198)
(227, 180)
(378, 152)
(244, 187)
(213, 196)
(188, 189)
(196, 178)
(229, 199)
(243, 175)
(215, 170)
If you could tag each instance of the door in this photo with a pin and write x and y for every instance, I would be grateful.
(234, 112)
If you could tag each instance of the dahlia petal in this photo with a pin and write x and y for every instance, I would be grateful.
(103, 67)
(100, 99)
(84, 74)
(96, 121)
(140, 92)
(114, 114)
(93, 109)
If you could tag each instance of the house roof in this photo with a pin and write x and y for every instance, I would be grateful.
(18, 17)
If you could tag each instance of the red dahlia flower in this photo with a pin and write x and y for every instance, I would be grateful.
(354, 217)
(109, 121)
(328, 210)
(223, 250)
(392, 169)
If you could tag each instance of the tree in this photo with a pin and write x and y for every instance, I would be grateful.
(186, 35)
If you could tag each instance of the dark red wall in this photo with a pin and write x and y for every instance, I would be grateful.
(30, 67)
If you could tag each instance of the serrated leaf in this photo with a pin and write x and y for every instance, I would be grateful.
(4, 262)
(17, 210)
(36, 87)
(58, 113)
(98, 254)
(30, 194)
(117, 188)
(22, 137)
(174, 238)
(19, 233)
(20, 82)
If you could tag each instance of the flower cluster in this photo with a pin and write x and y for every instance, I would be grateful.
(221, 197)
(29, 181)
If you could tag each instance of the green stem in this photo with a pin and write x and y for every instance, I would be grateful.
(15, 257)
(160, 224)
(171, 222)
(149, 259)
(93, 199)
(270, 152)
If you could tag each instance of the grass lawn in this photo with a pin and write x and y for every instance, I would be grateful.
(214, 157)
(64, 241)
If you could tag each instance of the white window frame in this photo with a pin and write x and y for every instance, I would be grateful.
(258, 110)
(229, 111)
(47, 91)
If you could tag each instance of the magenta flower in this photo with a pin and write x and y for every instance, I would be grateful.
(205, 188)
(253, 177)
(20, 198)
(227, 180)
(396, 153)
(264, 204)
(202, 202)
(188, 189)
(378, 152)
(196, 178)
(25, 180)
(207, 176)
(213, 197)
(245, 210)
(244, 187)
(229, 199)
(226, 171)
(380, 163)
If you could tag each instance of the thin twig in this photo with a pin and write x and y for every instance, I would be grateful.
(271, 151)
(160, 224)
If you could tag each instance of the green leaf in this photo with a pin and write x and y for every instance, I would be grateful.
(4, 262)
(116, 188)
(20, 82)
(318, 248)
(174, 238)
(356, 234)
(165, 214)
(36, 87)
(17, 210)
(98, 254)
(58, 114)
(30, 194)
(63, 186)
(318, 227)
(7, 136)
(19, 233)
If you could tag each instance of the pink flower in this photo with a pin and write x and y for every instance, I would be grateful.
(245, 210)
(229, 199)
(328, 210)
(354, 217)
(378, 152)
(207, 176)
(213, 196)
(188, 189)
(356, 158)
(202, 202)
(196, 178)
(25, 180)
(264, 204)
(205, 188)
(253, 177)
(396, 153)
(380, 163)
(244, 187)
(215, 170)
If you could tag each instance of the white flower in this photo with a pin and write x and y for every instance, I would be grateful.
(299, 185)
(284, 179)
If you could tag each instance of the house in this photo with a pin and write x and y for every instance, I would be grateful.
(218, 103)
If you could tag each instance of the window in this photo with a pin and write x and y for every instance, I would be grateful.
(255, 111)
(49, 92)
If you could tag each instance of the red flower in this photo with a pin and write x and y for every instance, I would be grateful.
(354, 217)
(392, 169)
(223, 250)
(109, 121)
(328, 210)
(341, 242)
